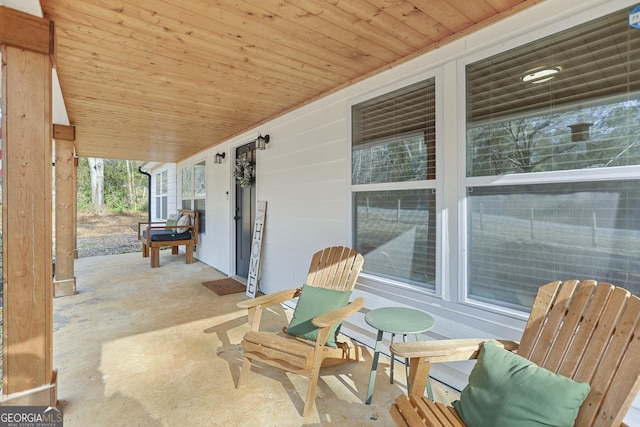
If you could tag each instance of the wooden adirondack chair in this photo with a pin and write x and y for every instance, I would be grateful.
(334, 268)
(586, 331)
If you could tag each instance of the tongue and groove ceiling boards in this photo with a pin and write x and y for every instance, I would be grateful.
(161, 80)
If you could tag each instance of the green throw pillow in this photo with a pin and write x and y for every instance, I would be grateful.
(172, 221)
(312, 303)
(507, 390)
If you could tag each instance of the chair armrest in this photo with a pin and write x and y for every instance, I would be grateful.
(270, 299)
(152, 224)
(325, 321)
(422, 354)
(332, 317)
(162, 225)
(446, 350)
(149, 225)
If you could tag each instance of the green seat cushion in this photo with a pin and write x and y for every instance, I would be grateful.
(507, 390)
(313, 302)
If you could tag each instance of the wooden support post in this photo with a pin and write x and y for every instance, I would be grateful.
(64, 283)
(26, 45)
(75, 207)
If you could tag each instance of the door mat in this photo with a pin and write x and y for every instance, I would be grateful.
(225, 286)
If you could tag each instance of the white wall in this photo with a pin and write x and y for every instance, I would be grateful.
(214, 245)
(304, 175)
(172, 190)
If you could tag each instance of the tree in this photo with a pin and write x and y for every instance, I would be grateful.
(131, 184)
(96, 170)
(123, 188)
(545, 142)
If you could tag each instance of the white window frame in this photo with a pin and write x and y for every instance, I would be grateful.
(192, 197)
(584, 175)
(382, 285)
(161, 195)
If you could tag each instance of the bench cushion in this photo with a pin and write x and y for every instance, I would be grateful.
(166, 235)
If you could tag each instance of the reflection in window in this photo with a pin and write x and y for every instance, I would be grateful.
(187, 184)
(393, 182)
(194, 191)
(579, 125)
(520, 237)
(161, 195)
(199, 178)
(393, 136)
(395, 232)
(586, 116)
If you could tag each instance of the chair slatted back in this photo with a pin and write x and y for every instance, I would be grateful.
(336, 268)
(589, 332)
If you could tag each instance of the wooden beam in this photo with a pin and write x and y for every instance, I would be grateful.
(64, 283)
(26, 226)
(19, 29)
(62, 132)
(75, 207)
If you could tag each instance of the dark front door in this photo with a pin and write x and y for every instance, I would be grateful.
(245, 213)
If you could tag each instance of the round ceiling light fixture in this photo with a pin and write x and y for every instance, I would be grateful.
(540, 75)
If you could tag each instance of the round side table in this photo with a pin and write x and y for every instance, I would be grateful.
(395, 320)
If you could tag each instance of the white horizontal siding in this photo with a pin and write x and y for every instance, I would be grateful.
(213, 245)
(304, 177)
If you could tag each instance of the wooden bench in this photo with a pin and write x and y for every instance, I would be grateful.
(156, 235)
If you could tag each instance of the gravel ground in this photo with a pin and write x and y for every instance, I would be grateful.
(108, 245)
(108, 234)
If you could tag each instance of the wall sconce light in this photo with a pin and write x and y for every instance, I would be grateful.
(261, 142)
(219, 157)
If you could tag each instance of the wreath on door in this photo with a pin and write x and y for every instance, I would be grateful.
(244, 172)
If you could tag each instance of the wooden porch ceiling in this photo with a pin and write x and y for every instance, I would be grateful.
(162, 80)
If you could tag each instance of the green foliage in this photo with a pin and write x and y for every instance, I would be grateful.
(84, 185)
(125, 188)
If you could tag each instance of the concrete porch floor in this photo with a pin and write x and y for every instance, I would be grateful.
(153, 347)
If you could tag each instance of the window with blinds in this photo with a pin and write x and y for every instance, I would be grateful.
(393, 147)
(393, 136)
(161, 195)
(586, 114)
(194, 192)
(581, 114)
(521, 237)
